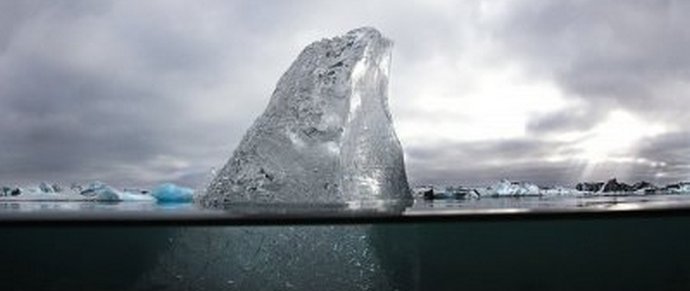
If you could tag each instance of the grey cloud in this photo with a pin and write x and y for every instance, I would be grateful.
(566, 120)
(673, 150)
(56, 122)
(611, 54)
(15, 14)
(486, 162)
(61, 119)
(108, 89)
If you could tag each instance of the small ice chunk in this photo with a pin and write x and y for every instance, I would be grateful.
(172, 193)
(679, 188)
(561, 191)
(45, 188)
(56, 188)
(508, 188)
(101, 192)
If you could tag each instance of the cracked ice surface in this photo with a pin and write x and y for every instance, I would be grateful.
(327, 134)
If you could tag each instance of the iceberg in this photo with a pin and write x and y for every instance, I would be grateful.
(450, 192)
(504, 188)
(423, 192)
(45, 188)
(561, 191)
(97, 192)
(101, 192)
(326, 135)
(172, 193)
(10, 191)
(507, 188)
(679, 188)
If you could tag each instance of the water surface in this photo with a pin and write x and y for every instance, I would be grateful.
(531, 243)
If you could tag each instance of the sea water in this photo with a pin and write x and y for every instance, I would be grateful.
(592, 243)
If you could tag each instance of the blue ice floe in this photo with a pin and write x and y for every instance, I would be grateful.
(101, 192)
(171, 193)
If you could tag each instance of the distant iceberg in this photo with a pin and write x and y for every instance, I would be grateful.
(101, 192)
(97, 191)
(171, 193)
(680, 188)
(560, 191)
(508, 188)
(503, 188)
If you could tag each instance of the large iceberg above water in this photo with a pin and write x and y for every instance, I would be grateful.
(327, 134)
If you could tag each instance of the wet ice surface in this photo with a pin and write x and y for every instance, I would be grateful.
(327, 134)
(361, 212)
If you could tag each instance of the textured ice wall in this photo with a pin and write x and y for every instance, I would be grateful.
(327, 134)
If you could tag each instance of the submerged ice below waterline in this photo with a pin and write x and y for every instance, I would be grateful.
(638, 252)
(278, 247)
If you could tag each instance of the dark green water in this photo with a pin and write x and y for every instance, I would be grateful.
(621, 253)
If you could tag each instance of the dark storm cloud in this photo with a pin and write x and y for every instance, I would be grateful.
(484, 162)
(84, 97)
(543, 174)
(65, 121)
(570, 119)
(674, 150)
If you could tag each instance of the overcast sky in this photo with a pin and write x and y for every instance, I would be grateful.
(141, 92)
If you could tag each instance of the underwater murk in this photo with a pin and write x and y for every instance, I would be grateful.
(554, 254)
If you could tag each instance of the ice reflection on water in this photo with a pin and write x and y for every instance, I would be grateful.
(136, 211)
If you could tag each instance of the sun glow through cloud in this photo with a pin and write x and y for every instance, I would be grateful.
(486, 103)
(615, 141)
(617, 136)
